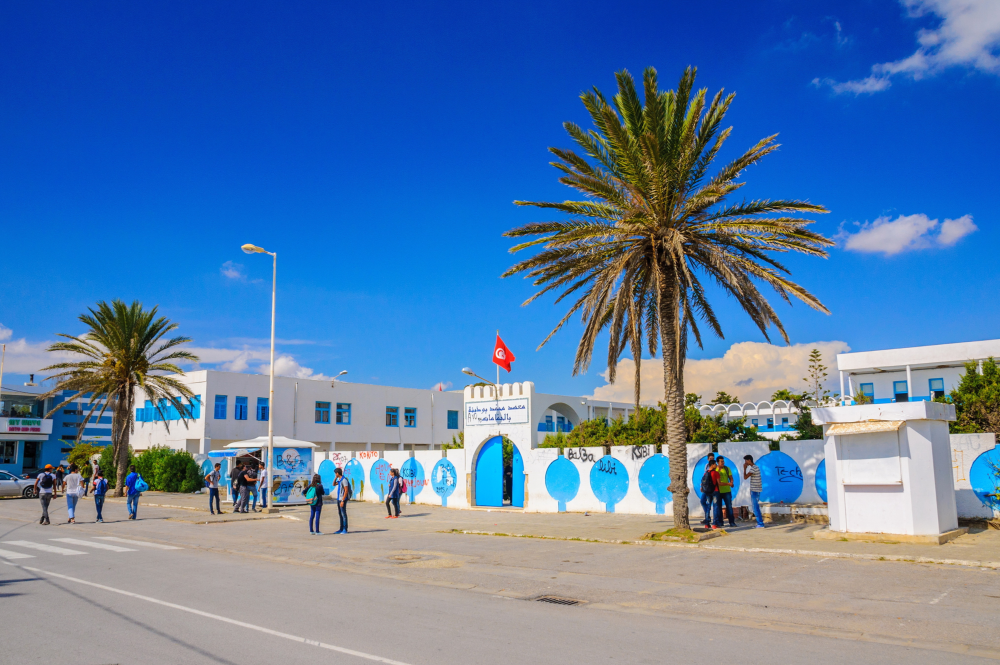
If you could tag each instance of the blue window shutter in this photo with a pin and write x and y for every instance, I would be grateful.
(453, 420)
(220, 406)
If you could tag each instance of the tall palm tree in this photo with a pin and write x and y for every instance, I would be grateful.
(124, 350)
(654, 226)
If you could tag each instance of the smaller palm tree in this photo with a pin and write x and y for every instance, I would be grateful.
(123, 351)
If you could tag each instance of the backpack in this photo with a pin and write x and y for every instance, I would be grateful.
(101, 487)
(141, 485)
(402, 486)
(311, 495)
(707, 486)
(46, 481)
(348, 491)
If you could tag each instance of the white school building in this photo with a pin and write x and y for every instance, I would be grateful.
(914, 374)
(338, 416)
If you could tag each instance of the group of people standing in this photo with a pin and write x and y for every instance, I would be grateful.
(341, 492)
(717, 491)
(247, 480)
(74, 485)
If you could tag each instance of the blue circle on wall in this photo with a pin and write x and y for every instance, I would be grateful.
(326, 472)
(609, 481)
(654, 479)
(378, 478)
(984, 476)
(562, 481)
(821, 480)
(412, 472)
(699, 471)
(355, 474)
(780, 477)
(444, 479)
(206, 467)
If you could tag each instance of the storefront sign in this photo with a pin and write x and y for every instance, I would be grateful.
(504, 411)
(26, 425)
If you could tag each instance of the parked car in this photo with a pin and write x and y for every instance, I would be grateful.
(11, 485)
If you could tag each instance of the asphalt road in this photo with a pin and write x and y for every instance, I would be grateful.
(124, 598)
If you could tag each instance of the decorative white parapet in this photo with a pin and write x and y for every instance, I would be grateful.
(889, 471)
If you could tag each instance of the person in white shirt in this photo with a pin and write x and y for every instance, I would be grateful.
(74, 488)
(45, 489)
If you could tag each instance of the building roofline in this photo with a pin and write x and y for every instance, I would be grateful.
(918, 357)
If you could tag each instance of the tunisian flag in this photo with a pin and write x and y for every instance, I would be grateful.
(502, 355)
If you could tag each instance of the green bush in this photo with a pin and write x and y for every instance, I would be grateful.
(169, 470)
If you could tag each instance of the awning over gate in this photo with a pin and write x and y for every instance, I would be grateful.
(867, 427)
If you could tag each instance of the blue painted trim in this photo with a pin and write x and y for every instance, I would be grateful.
(407, 413)
(392, 416)
(343, 413)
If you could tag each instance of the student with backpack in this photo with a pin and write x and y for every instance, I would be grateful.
(725, 496)
(343, 492)
(45, 489)
(74, 489)
(314, 495)
(708, 491)
(100, 492)
(133, 491)
(392, 496)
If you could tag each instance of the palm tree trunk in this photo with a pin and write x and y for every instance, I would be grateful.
(673, 394)
(120, 437)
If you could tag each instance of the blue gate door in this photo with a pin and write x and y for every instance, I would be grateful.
(517, 484)
(489, 474)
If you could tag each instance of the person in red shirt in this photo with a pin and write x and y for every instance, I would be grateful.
(709, 492)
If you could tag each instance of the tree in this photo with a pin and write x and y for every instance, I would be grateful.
(652, 226)
(690, 399)
(815, 378)
(977, 399)
(124, 350)
(81, 454)
(722, 397)
(786, 395)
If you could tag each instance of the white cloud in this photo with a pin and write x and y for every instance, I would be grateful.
(232, 270)
(288, 366)
(5, 332)
(968, 36)
(750, 370)
(441, 385)
(905, 233)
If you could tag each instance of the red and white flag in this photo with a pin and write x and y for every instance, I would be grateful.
(502, 355)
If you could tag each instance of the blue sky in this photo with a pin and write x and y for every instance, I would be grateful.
(378, 149)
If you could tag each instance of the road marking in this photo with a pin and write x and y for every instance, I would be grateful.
(939, 598)
(100, 546)
(142, 543)
(43, 547)
(7, 554)
(208, 615)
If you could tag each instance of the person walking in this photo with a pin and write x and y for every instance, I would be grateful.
(725, 490)
(45, 490)
(212, 482)
(708, 491)
(343, 492)
(234, 483)
(132, 494)
(100, 492)
(85, 472)
(314, 494)
(60, 475)
(392, 496)
(751, 472)
(74, 489)
(252, 482)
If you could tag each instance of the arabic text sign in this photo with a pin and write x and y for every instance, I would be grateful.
(504, 411)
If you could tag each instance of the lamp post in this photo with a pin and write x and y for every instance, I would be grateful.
(333, 383)
(254, 249)
(468, 370)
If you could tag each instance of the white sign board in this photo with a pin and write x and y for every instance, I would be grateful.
(504, 411)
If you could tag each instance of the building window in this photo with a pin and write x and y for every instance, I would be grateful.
(784, 422)
(937, 388)
(754, 422)
(392, 416)
(900, 392)
(453, 420)
(770, 423)
(220, 407)
(140, 415)
(262, 409)
(868, 390)
(8, 452)
(343, 414)
(410, 416)
(323, 412)
(240, 410)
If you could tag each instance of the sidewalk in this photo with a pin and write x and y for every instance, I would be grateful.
(979, 548)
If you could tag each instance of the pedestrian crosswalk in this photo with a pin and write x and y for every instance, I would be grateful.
(88, 546)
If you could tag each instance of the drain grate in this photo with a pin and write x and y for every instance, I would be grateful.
(556, 600)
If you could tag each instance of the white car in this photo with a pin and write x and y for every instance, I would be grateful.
(11, 485)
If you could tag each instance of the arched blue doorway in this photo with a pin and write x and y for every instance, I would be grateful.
(497, 480)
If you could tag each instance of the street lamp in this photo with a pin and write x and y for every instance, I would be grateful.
(254, 249)
(468, 370)
(333, 383)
